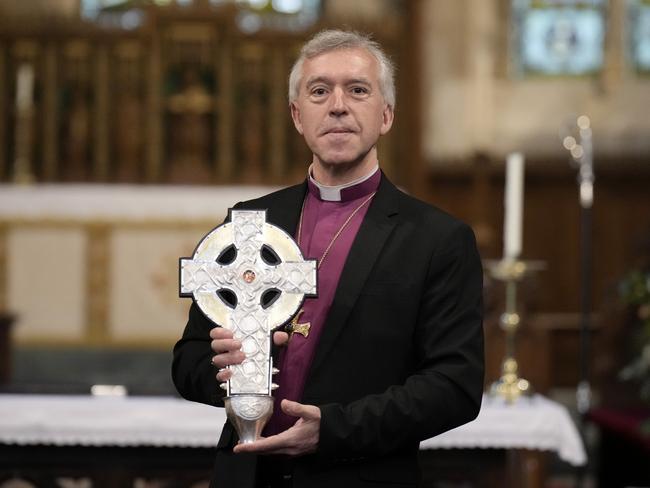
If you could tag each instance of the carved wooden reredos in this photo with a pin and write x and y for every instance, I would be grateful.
(186, 97)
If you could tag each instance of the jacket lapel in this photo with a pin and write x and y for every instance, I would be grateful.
(285, 212)
(375, 229)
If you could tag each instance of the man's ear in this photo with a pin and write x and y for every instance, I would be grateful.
(295, 115)
(387, 117)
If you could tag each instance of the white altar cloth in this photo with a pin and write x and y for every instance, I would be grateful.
(536, 423)
(532, 423)
(93, 202)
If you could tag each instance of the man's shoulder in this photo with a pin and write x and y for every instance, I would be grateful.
(426, 213)
(429, 224)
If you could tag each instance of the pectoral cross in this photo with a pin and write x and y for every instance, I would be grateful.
(295, 328)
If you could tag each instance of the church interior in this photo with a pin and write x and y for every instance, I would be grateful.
(129, 127)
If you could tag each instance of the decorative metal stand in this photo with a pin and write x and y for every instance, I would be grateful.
(510, 385)
(578, 141)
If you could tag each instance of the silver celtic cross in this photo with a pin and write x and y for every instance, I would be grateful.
(248, 276)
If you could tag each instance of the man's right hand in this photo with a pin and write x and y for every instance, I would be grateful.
(228, 350)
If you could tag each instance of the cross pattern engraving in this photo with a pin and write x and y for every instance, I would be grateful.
(248, 277)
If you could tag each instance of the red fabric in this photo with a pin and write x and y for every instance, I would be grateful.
(627, 423)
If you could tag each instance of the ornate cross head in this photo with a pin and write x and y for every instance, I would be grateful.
(248, 276)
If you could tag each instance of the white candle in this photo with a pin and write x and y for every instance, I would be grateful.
(513, 202)
(24, 87)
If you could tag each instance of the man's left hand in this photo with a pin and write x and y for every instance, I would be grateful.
(300, 439)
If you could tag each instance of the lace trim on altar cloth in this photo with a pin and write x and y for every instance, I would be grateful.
(532, 423)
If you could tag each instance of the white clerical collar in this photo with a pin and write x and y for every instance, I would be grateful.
(333, 193)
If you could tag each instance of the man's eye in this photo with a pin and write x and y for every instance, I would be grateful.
(318, 91)
(359, 90)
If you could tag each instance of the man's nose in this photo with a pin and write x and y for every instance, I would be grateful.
(338, 105)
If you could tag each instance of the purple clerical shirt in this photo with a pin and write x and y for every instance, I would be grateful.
(321, 220)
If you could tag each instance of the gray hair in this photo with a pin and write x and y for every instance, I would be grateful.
(331, 40)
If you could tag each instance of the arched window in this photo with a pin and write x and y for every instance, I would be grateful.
(639, 34)
(254, 14)
(558, 37)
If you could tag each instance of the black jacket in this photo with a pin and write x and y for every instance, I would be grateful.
(400, 358)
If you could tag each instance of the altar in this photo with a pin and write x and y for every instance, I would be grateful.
(107, 262)
(106, 257)
(127, 441)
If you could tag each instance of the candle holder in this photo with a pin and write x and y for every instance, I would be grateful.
(510, 386)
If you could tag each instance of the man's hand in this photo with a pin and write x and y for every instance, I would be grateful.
(300, 439)
(228, 350)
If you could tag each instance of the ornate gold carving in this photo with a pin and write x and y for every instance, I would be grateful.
(191, 32)
(3, 110)
(252, 119)
(278, 116)
(97, 282)
(50, 115)
(77, 120)
(130, 50)
(190, 105)
(77, 49)
(24, 123)
(104, 110)
(3, 267)
(101, 114)
(224, 126)
(129, 112)
(154, 108)
(190, 110)
(25, 49)
(189, 43)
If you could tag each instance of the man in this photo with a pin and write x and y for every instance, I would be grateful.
(394, 353)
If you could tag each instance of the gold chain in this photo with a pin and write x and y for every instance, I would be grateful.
(338, 232)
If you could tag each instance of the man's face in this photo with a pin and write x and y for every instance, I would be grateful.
(340, 109)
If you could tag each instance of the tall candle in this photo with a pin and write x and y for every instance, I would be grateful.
(513, 202)
(24, 87)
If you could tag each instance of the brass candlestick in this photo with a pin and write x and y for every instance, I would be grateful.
(510, 385)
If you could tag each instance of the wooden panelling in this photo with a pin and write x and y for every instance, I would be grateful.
(621, 222)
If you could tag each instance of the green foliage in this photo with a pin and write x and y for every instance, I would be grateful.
(634, 290)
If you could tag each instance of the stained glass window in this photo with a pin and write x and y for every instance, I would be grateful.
(119, 14)
(639, 34)
(287, 15)
(558, 37)
(284, 15)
